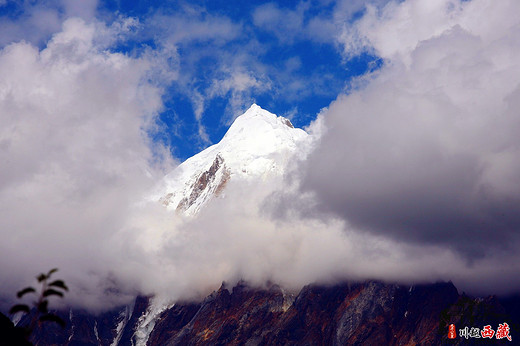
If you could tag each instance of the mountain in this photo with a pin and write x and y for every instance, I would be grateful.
(258, 145)
(367, 313)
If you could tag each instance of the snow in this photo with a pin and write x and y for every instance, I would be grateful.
(72, 324)
(258, 145)
(96, 332)
(124, 317)
(147, 321)
(17, 318)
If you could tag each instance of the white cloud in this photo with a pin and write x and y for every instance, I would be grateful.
(414, 173)
(320, 22)
(37, 26)
(188, 28)
(398, 27)
(193, 24)
(240, 84)
(236, 238)
(284, 23)
(85, 9)
(426, 152)
(405, 168)
(75, 154)
(36, 21)
(298, 23)
(198, 102)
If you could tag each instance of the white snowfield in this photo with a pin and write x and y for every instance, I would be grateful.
(258, 145)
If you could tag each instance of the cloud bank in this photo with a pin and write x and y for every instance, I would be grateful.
(413, 176)
(75, 151)
(427, 152)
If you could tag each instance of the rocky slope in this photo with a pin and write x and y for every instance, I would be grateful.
(369, 313)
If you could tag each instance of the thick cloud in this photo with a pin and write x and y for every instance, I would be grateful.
(428, 151)
(413, 177)
(75, 153)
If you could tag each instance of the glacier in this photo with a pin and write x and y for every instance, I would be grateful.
(258, 146)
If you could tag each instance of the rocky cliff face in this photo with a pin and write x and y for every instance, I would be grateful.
(370, 313)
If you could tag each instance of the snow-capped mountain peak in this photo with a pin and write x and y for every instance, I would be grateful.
(258, 145)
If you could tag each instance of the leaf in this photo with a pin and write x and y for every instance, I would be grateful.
(60, 284)
(18, 308)
(42, 307)
(26, 290)
(53, 270)
(52, 292)
(41, 277)
(52, 318)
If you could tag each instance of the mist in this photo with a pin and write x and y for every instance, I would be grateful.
(75, 153)
(412, 175)
(426, 152)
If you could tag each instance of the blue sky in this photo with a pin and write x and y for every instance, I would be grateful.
(228, 54)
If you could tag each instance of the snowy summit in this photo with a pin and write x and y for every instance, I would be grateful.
(258, 145)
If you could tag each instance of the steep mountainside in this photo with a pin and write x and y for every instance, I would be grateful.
(258, 145)
(369, 313)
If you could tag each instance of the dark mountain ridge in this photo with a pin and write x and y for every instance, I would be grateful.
(368, 313)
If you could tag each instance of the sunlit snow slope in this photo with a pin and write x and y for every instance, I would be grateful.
(258, 145)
